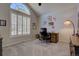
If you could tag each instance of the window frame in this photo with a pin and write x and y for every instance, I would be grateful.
(23, 14)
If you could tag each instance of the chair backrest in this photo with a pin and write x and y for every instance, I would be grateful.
(43, 31)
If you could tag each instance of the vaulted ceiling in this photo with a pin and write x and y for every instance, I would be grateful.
(51, 7)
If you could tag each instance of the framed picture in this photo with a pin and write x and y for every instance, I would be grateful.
(2, 22)
(52, 21)
(34, 25)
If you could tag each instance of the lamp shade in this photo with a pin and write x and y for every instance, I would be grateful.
(67, 22)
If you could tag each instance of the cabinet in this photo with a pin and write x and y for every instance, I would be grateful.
(75, 43)
(54, 37)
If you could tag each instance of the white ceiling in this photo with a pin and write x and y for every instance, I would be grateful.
(51, 7)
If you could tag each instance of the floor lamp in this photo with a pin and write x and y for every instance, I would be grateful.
(68, 22)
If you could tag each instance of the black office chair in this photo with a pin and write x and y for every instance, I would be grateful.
(44, 35)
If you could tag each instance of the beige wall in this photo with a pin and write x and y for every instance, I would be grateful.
(5, 31)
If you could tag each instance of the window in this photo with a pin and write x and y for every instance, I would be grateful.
(20, 19)
(20, 7)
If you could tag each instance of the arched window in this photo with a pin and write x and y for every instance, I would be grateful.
(20, 7)
(20, 19)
